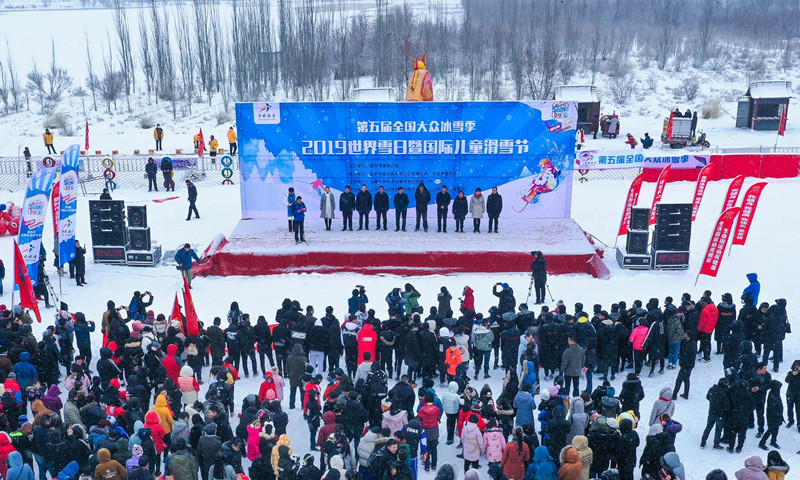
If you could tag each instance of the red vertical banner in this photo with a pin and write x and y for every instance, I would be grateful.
(86, 142)
(669, 125)
(201, 145)
(782, 125)
(719, 239)
(749, 204)
(22, 281)
(192, 325)
(660, 184)
(700, 189)
(630, 202)
(176, 313)
(55, 202)
(733, 193)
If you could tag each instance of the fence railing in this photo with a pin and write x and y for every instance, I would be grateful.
(128, 170)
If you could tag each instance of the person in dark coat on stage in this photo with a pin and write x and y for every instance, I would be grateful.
(347, 203)
(442, 203)
(400, 208)
(364, 206)
(460, 209)
(381, 203)
(494, 206)
(423, 197)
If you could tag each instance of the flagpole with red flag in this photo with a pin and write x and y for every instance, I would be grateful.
(782, 124)
(176, 313)
(192, 325)
(27, 298)
(86, 142)
(201, 145)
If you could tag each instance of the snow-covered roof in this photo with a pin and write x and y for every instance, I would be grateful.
(576, 93)
(771, 89)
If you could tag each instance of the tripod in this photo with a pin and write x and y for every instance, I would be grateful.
(50, 289)
(530, 288)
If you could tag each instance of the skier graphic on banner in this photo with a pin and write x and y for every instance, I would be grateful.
(545, 182)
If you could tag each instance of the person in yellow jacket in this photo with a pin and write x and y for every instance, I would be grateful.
(164, 413)
(48, 141)
(282, 440)
(158, 134)
(232, 140)
(213, 145)
(196, 140)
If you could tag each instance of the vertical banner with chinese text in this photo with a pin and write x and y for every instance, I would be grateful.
(719, 239)
(749, 204)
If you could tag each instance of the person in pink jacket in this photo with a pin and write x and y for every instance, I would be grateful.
(279, 383)
(254, 434)
(472, 441)
(493, 442)
(637, 338)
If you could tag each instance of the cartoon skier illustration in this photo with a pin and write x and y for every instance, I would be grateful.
(545, 182)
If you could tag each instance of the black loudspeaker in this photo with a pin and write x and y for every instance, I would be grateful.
(137, 216)
(140, 238)
(640, 218)
(106, 208)
(636, 243)
(111, 238)
(673, 230)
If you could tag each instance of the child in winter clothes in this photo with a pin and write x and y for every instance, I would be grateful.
(776, 467)
(472, 441)
(542, 467)
(515, 456)
(571, 467)
(253, 439)
(494, 442)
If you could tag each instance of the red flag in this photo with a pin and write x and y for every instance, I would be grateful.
(630, 202)
(702, 180)
(86, 142)
(749, 204)
(660, 184)
(55, 202)
(192, 327)
(176, 313)
(201, 145)
(782, 125)
(27, 299)
(719, 239)
(668, 133)
(733, 192)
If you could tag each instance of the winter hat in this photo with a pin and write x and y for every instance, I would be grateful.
(505, 286)
(655, 429)
(137, 450)
(270, 395)
(544, 394)
(444, 332)
(12, 376)
(137, 325)
(386, 403)
(308, 459)
(612, 423)
(22, 419)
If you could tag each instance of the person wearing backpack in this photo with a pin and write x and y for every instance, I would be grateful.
(482, 340)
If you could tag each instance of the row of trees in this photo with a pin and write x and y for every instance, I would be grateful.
(321, 49)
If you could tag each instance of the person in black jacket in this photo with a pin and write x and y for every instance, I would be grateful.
(428, 346)
(759, 381)
(494, 206)
(192, 200)
(539, 272)
(400, 208)
(627, 444)
(216, 342)
(166, 171)
(793, 393)
(686, 360)
(654, 343)
(412, 353)
(247, 345)
(725, 318)
(264, 340)
(381, 202)
(775, 329)
(509, 344)
(422, 197)
(347, 203)
(364, 206)
(774, 416)
(335, 347)
(741, 411)
(79, 264)
(442, 203)
(460, 209)
(718, 406)
(151, 169)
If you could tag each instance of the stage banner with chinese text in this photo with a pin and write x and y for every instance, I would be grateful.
(636, 158)
(526, 149)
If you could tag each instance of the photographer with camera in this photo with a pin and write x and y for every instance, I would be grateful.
(359, 298)
(137, 309)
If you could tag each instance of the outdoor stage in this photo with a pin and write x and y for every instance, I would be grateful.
(265, 247)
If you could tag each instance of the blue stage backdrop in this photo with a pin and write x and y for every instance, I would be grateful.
(526, 149)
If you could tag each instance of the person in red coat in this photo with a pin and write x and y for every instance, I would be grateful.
(367, 338)
(467, 301)
(329, 418)
(429, 416)
(268, 385)
(708, 321)
(172, 363)
(5, 450)
(153, 422)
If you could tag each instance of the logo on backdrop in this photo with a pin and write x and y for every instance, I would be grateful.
(267, 113)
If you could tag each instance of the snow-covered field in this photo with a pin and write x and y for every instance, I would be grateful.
(597, 207)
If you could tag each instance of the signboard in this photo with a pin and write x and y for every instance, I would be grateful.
(636, 158)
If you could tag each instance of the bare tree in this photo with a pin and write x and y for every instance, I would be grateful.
(91, 79)
(124, 48)
(668, 12)
(15, 88)
(36, 86)
(186, 57)
(145, 55)
(704, 32)
(4, 90)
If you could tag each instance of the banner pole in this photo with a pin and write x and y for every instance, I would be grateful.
(696, 279)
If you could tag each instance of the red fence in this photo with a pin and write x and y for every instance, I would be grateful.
(732, 165)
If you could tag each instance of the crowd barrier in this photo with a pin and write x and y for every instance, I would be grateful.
(772, 165)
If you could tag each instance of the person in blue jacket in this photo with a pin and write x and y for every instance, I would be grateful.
(82, 330)
(525, 405)
(183, 258)
(26, 373)
(299, 217)
(754, 288)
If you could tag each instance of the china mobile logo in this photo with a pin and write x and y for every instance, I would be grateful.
(560, 110)
(266, 113)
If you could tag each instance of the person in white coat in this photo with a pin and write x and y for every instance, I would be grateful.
(476, 207)
(327, 207)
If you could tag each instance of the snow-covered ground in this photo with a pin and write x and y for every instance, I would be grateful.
(597, 207)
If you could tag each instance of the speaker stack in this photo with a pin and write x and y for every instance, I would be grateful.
(672, 236)
(635, 255)
(142, 252)
(109, 235)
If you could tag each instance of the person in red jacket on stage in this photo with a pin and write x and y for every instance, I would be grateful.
(367, 339)
(268, 385)
(708, 321)
(172, 363)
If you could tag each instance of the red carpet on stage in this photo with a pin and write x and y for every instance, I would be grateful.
(265, 247)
